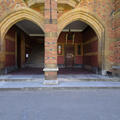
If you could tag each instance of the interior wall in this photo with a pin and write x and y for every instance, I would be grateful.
(23, 49)
(17, 45)
(78, 59)
(11, 62)
(10, 48)
(90, 48)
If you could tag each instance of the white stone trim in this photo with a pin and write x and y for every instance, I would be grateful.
(50, 69)
(116, 67)
(104, 72)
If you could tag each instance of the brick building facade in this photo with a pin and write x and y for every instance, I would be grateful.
(54, 34)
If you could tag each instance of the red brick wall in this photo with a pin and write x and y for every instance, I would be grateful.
(50, 33)
(10, 48)
(61, 59)
(78, 60)
(10, 45)
(90, 47)
(10, 60)
(114, 47)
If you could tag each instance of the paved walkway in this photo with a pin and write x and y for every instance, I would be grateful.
(64, 81)
(71, 77)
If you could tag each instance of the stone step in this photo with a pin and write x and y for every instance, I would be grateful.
(61, 78)
(61, 85)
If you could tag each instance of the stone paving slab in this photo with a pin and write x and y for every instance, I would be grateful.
(21, 77)
(87, 77)
(72, 77)
(39, 85)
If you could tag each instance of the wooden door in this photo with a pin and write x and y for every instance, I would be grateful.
(69, 55)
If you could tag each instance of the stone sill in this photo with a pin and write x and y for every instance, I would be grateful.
(50, 69)
(116, 67)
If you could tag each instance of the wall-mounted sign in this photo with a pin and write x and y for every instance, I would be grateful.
(59, 49)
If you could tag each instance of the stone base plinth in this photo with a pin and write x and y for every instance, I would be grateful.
(50, 73)
(116, 71)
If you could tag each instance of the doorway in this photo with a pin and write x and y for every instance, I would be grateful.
(24, 46)
(69, 56)
(79, 49)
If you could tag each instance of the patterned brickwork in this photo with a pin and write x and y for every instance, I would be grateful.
(103, 10)
(6, 6)
(109, 13)
(50, 32)
(50, 15)
(115, 44)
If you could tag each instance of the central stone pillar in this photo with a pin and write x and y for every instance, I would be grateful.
(50, 14)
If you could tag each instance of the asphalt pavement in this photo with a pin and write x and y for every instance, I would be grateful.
(72, 104)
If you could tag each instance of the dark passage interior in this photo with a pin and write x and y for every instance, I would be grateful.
(24, 48)
(78, 49)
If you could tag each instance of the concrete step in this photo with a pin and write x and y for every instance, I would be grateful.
(62, 78)
(61, 85)
(18, 82)
(21, 78)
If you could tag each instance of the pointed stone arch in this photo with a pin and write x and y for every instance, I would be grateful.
(84, 16)
(18, 15)
(11, 19)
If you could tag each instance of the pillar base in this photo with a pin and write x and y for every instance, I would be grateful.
(104, 72)
(50, 73)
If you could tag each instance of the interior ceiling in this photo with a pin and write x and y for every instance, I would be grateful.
(33, 30)
(29, 27)
(77, 25)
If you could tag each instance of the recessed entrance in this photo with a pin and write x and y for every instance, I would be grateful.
(78, 49)
(24, 48)
(69, 56)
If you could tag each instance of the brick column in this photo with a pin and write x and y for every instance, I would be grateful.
(50, 14)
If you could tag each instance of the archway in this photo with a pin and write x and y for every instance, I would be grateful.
(87, 18)
(16, 16)
(23, 48)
